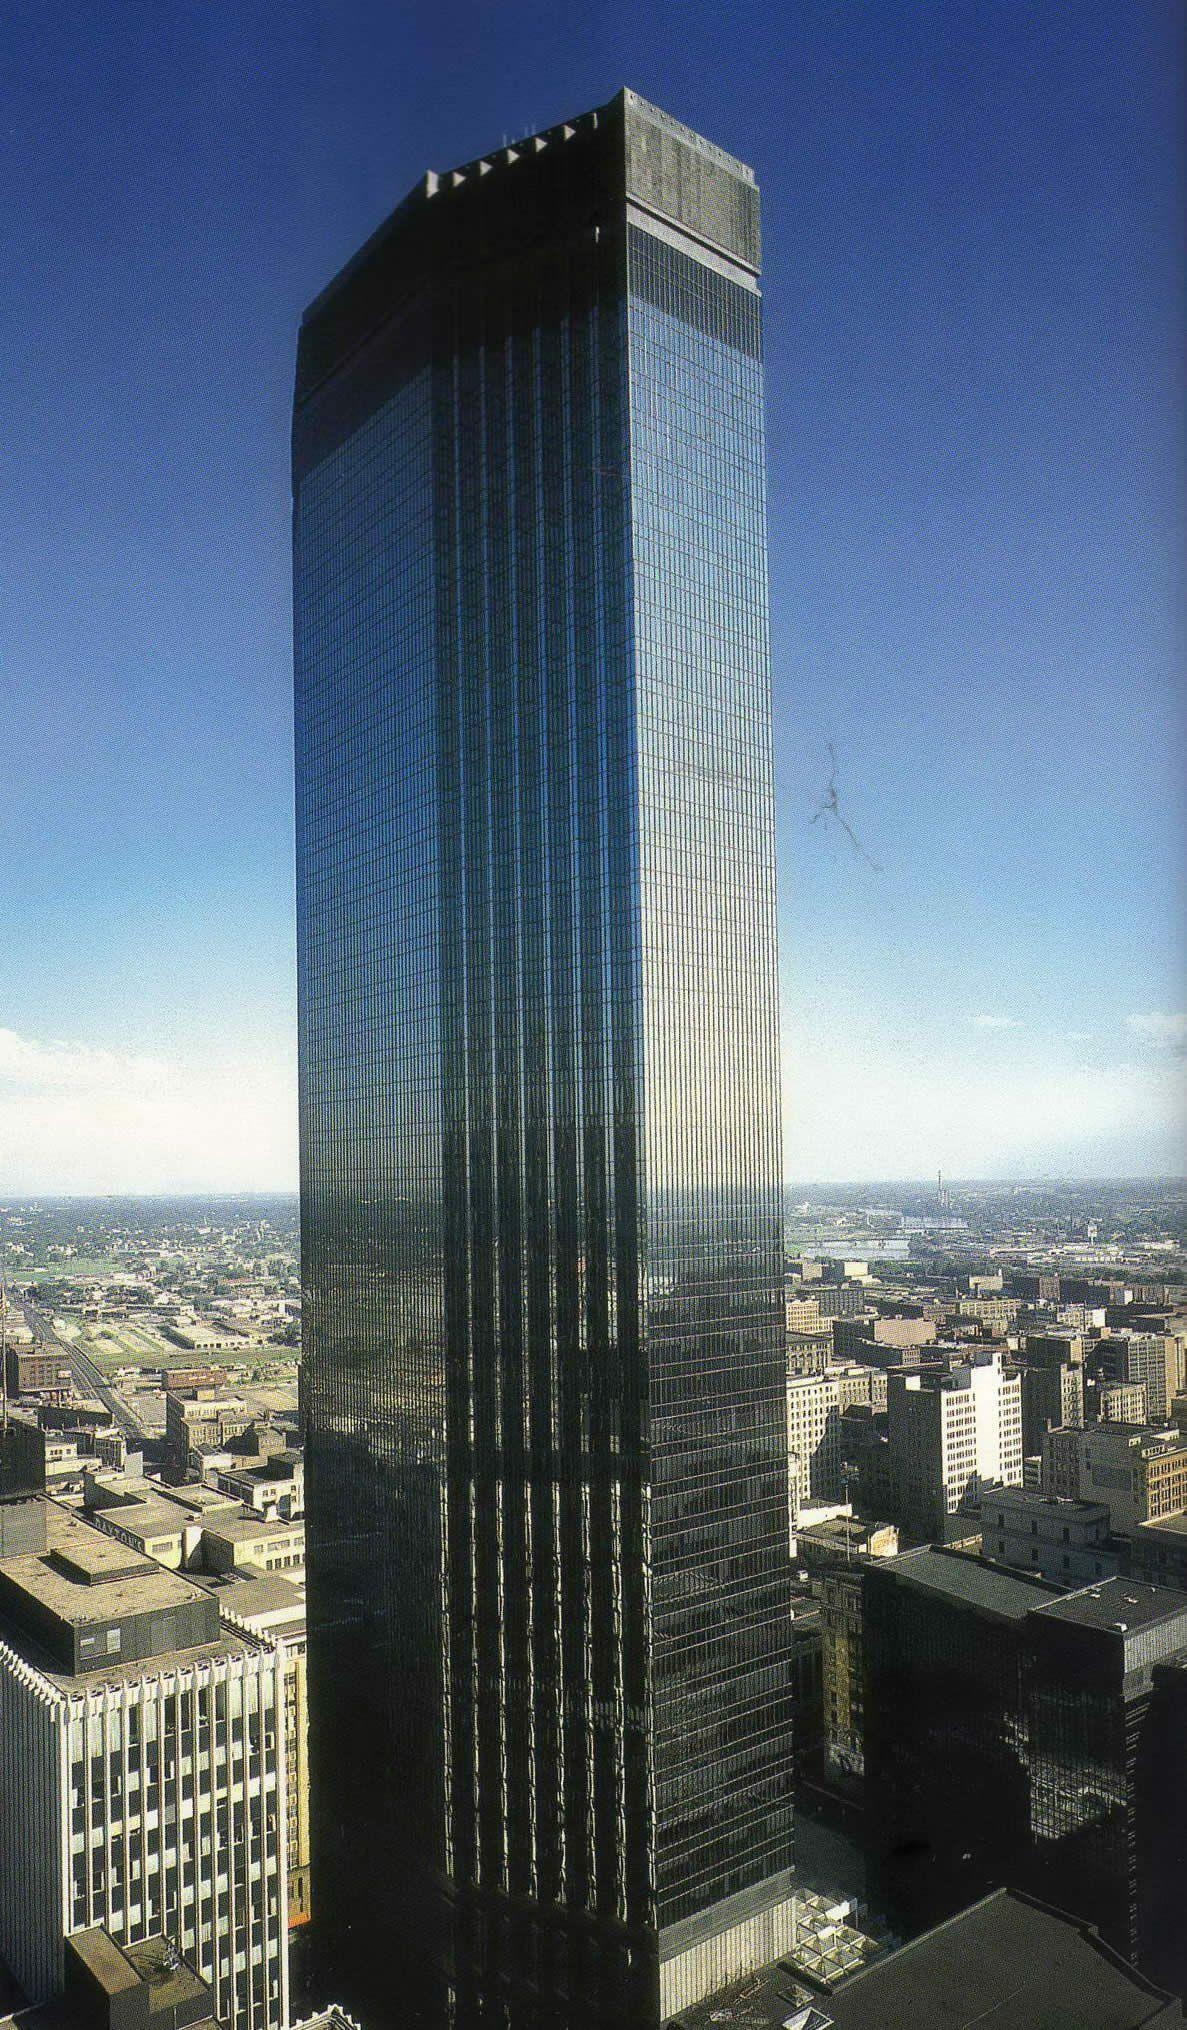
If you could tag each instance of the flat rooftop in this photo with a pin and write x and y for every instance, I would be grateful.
(272, 1595)
(1168, 1525)
(1032, 1500)
(279, 1466)
(1114, 1603)
(231, 1642)
(1005, 1964)
(973, 1581)
(84, 1576)
(174, 1987)
(1008, 1963)
(239, 1529)
(146, 1519)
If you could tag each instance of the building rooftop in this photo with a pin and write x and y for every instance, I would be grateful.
(240, 1529)
(148, 1519)
(174, 1988)
(84, 1576)
(147, 1986)
(277, 1466)
(1008, 1963)
(1126, 1604)
(230, 1642)
(1168, 1525)
(972, 1580)
(270, 1601)
(580, 171)
(1032, 1498)
(198, 1406)
(86, 1610)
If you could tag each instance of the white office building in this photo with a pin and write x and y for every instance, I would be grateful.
(141, 1769)
(952, 1432)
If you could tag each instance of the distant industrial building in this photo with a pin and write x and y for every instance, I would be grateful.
(32, 1371)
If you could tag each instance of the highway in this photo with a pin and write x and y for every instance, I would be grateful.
(89, 1377)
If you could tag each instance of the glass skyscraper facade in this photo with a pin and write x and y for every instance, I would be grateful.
(544, 1376)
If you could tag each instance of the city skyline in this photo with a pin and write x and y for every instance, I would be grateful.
(976, 516)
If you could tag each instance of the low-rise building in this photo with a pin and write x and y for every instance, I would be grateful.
(141, 1986)
(1053, 1349)
(1010, 1962)
(1058, 1538)
(1118, 1403)
(854, 1337)
(201, 1419)
(229, 1543)
(1141, 1473)
(1157, 1552)
(33, 1370)
(274, 1487)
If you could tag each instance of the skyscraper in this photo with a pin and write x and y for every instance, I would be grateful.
(544, 1356)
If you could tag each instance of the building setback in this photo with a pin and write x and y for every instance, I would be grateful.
(549, 1645)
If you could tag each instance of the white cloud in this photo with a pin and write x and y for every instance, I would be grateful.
(855, 1111)
(77, 1118)
(995, 1022)
(1167, 1032)
(32, 1067)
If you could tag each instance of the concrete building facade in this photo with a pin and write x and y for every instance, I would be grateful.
(1058, 1538)
(141, 1772)
(952, 1432)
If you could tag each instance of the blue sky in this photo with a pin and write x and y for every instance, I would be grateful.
(976, 317)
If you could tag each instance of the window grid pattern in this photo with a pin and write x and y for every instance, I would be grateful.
(714, 1320)
(544, 1382)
